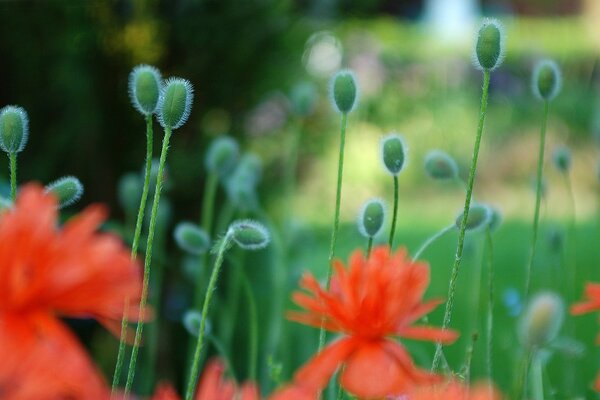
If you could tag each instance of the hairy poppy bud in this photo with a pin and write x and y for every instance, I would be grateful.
(249, 235)
(175, 103)
(393, 153)
(370, 218)
(191, 238)
(191, 323)
(546, 80)
(479, 216)
(144, 88)
(14, 129)
(344, 91)
(562, 159)
(222, 155)
(439, 165)
(67, 190)
(303, 98)
(542, 320)
(489, 49)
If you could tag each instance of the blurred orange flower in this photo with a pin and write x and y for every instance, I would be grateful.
(370, 303)
(45, 273)
(455, 390)
(592, 303)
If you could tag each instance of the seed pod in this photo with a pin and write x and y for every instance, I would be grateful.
(371, 217)
(129, 192)
(175, 103)
(249, 235)
(344, 91)
(562, 159)
(546, 80)
(67, 190)
(192, 320)
(489, 48)
(144, 88)
(479, 216)
(191, 238)
(542, 320)
(393, 153)
(303, 99)
(222, 155)
(14, 129)
(439, 165)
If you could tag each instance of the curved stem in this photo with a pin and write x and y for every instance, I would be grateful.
(336, 219)
(147, 261)
(191, 387)
(463, 224)
(134, 247)
(538, 199)
(432, 239)
(395, 213)
(252, 315)
(369, 246)
(490, 316)
(13, 175)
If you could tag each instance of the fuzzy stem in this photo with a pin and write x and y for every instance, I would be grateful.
(538, 198)
(13, 175)
(369, 246)
(395, 213)
(490, 315)
(336, 219)
(432, 239)
(191, 387)
(463, 224)
(252, 315)
(134, 247)
(147, 261)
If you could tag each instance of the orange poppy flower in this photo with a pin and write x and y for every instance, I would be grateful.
(293, 392)
(455, 390)
(370, 303)
(47, 272)
(592, 303)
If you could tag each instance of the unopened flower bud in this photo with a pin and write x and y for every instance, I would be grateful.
(344, 90)
(191, 238)
(370, 218)
(14, 129)
(489, 49)
(479, 216)
(542, 320)
(222, 155)
(303, 98)
(191, 322)
(249, 235)
(439, 165)
(393, 153)
(562, 159)
(175, 103)
(144, 88)
(67, 190)
(546, 80)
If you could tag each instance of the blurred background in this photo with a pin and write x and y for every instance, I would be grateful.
(251, 62)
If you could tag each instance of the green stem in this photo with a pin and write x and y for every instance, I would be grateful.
(522, 377)
(431, 240)
(490, 316)
(463, 224)
(538, 199)
(369, 246)
(147, 262)
(134, 247)
(252, 315)
(13, 176)
(191, 387)
(336, 219)
(537, 379)
(395, 213)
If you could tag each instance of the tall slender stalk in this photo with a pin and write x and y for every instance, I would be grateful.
(191, 386)
(490, 311)
(253, 316)
(134, 247)
(430, 240)
(538, 198)
(12, 156)
(336, 219)
(369, 246)
(537, 378)
(395, 213)
(463, 224)
(147, 262)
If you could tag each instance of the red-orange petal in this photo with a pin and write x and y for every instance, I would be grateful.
(429, 333)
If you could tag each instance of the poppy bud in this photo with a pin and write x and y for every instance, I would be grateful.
(542, 320)
(439, 165)
(67, 190)
(303, 98)
(14, 129)
(191, 323)
(222, 155)
(175, 103)
(344, 90)
(191, 238)
(479, 216)
(370, 218)
(562, 159)
(547, 80)
(249, 235)
(393, 153)
(144, 88)
(489, 49)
